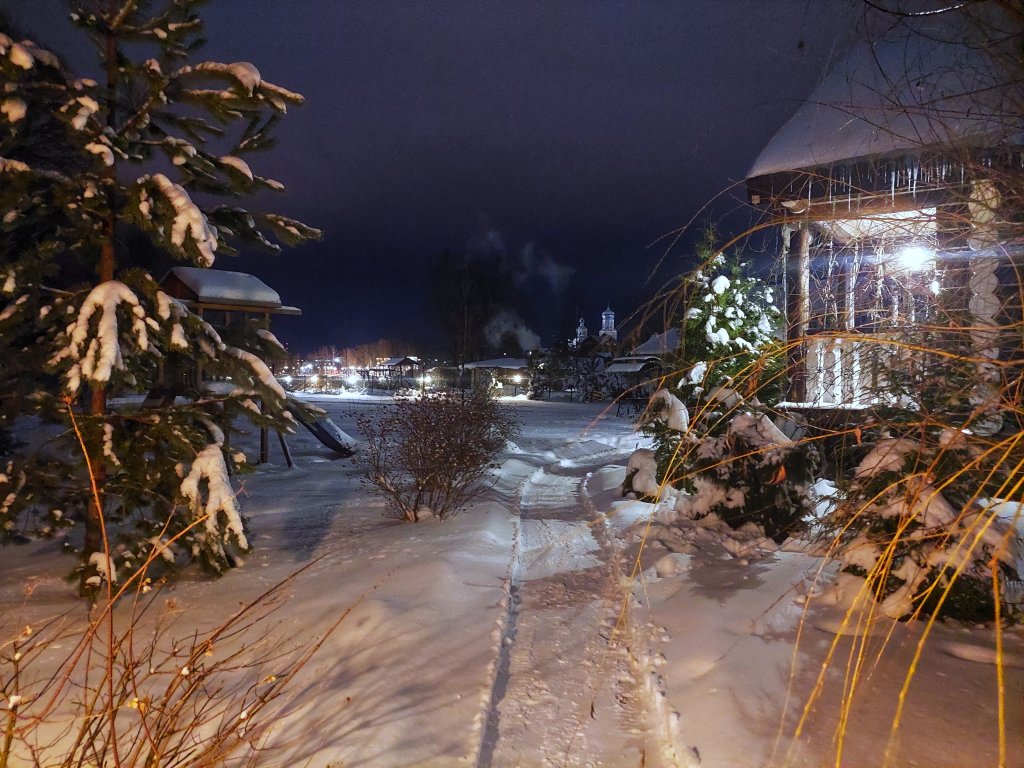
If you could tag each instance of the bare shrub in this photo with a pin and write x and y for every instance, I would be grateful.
(129, 690)
(126, 689)
(429, 455)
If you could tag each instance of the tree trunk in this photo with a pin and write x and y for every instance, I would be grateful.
(98, 402)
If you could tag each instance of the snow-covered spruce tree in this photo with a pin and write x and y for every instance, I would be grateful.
(729, 329)
(723, 451)
(80, 311)
(727, 348)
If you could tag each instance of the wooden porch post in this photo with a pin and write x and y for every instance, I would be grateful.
(850, 388)
(799, 315)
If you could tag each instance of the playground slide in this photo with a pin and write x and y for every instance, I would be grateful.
(328, 433)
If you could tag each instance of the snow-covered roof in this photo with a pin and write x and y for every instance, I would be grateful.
(394, 362)
(659, 343)
(512, 363)
(630, 364)
(892, 95)
(217, 286)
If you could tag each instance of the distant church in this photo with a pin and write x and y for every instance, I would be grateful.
(607, 334)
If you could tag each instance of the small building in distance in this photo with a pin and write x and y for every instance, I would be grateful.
(507, 375)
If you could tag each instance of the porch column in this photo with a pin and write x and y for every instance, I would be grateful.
(851, 353)
(799, 314)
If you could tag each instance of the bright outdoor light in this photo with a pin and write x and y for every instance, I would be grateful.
(517, 378)
(353, 379)
(314, 379)
(914, 258)
(426, 380)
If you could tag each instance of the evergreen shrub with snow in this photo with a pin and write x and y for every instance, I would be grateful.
(728, 338)
(742, 469)
(102, 182)
(429, 455)
(728, 458)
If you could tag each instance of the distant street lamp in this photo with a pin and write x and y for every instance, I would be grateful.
(516, 381)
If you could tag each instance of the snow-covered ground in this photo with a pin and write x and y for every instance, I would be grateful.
(540, 628)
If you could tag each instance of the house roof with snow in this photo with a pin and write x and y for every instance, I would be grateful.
(221, 289)
(632, 364)
(511, 363)
(401, 362)
(902, 101)
(659, 344)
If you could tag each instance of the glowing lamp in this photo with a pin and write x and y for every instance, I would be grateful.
(914, 258)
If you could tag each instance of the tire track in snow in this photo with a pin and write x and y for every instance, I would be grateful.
(563, 695)
(505, 634)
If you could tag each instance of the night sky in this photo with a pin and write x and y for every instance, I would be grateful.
(572, 134)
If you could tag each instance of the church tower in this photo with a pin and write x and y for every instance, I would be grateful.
(608, 325)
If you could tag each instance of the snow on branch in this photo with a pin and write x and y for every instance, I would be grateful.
(246, 78)
(290, 231)
(278, 96)
(13, 109)
(259, 370)
(97, 355)
(243, 72)
(237, 164)
(26, 53)
(13, 166)
(219, 499)
(189, 220)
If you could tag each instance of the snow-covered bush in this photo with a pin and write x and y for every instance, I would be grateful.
(429, 456)
(743, 470)
(725, 455)
(752, 473)
(98, 183)
(914, 524)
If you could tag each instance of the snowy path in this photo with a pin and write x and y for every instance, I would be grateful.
(565, 696)
(484, 640)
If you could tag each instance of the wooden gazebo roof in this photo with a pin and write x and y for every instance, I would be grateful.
(223, 290)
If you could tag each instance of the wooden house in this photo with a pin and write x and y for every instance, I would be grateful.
(895, 182)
